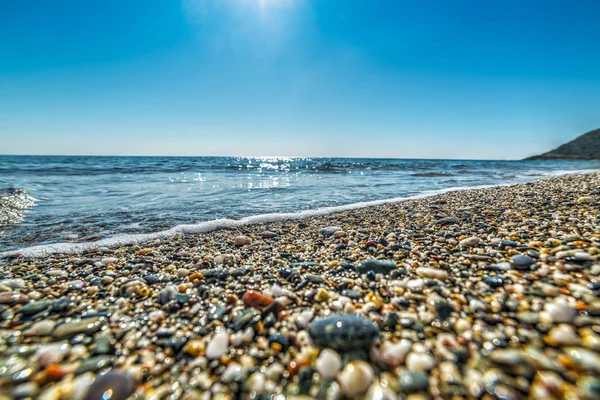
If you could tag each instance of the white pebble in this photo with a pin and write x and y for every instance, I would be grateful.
(337, 305)
(284, 301)
(586, 359)
(560, 311)
(431, 273)
(242, 337)
(25, 390)
(449, 372)
(583, 256)
(78, 352)
(378, 392)
(274, 371)
(415, 284)
(13, 283)
(579, 290)
(461, 326)
(356, 378)
(109, 260)
(470, 242)
(564, 254)
(304, 318)
(227, 259)
(242, 241)
(183, 272)
(563, 334)
(57, 273)
(35, 295)
(217, 346)
(507, 356)
(231, 372)
(219, 259)
(419, 362)
(256, 382)
(395, 353)
(329, 363)
(585, 200)
(518, 288)
(277, 291)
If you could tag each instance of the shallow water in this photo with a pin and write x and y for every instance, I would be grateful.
(81, 199)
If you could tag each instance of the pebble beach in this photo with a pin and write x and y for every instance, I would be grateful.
(487, 294)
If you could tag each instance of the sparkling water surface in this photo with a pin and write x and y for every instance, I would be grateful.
(86, 198)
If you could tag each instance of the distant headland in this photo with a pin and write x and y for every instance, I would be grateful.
(583, 148)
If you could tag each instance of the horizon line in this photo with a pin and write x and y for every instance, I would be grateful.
(277, 157)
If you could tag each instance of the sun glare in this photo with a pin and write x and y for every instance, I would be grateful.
(264, 4)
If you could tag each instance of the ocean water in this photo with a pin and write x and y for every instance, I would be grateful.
(68, 203)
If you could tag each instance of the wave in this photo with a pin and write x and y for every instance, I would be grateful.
(208, 226)
(533, 174)
(70, 171)
(12, 203)
(431, 174)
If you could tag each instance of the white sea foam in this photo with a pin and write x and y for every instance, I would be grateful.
(12, 204)
(207, 226)
(536, 174)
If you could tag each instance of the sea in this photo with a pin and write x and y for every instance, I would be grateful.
(67, 204)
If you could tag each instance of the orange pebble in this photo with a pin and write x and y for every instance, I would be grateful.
(295, 365)
(387, 307)
(55, 372)
(276, 347)
(283, 315)
(256, 299)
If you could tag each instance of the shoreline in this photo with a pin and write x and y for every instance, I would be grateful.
(468, 293)
(203, 227)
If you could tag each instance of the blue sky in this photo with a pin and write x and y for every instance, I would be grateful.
(376, 78)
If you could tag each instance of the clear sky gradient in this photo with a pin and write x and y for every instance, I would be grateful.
(362, 78)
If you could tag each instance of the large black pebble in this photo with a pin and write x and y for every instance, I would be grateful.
(343, 332)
